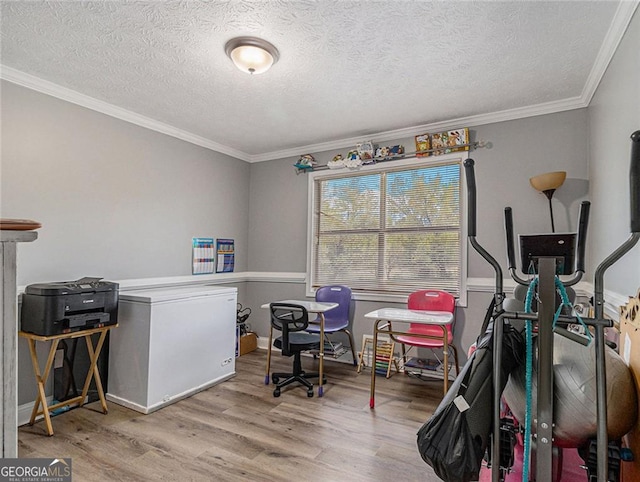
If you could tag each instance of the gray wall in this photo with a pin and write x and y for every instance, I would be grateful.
(614, 113)
(277, 217)
(520, 149)
(115, 200)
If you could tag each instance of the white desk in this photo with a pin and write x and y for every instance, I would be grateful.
(312, 307)
(403, 315)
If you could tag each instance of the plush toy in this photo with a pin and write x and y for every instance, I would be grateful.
(382, 152)
(306, 162)
(336, 163)
(353, 160)
(437, 143)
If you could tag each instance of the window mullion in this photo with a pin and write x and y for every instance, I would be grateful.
(383, 226)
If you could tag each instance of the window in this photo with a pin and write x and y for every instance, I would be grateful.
(388, 230)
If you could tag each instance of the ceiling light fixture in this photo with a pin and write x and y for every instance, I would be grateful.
(252, 55)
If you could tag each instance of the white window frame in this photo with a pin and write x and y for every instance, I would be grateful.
(413, 162)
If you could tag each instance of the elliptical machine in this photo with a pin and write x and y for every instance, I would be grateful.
(548, 258)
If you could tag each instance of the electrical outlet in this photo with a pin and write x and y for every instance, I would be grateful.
(226, 361)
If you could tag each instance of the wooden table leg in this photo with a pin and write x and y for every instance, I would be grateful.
(321, 355)
(41, 379)
(372, 401)
(36, 371)
(93, 370)
(445, 347)
(266, 377)
(361, 362)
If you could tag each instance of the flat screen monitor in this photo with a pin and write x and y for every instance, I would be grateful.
(559, 246)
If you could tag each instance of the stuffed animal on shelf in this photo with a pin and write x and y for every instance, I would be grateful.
(353, 160)
(382, 152)
(306, 162)
(336, 163)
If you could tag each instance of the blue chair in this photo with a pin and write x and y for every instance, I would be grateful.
(339, 318)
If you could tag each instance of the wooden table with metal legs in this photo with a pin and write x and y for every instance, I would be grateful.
(312, 307)
(42, 376)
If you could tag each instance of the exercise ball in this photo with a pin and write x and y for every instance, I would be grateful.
(574, 402)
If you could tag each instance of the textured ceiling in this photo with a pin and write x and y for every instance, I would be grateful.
(347, 68)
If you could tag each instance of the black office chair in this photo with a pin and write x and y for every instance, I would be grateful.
(292, 320)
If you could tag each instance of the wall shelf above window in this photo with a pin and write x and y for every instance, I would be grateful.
(423, 154)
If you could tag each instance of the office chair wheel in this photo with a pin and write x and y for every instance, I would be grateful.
(275, 380)
(310, 393)
(276, 392)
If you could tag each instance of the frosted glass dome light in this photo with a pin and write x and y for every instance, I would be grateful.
(251, 55)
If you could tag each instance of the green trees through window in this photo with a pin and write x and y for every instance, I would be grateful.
(389, 231)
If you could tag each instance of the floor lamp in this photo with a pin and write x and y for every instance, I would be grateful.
(547, 184)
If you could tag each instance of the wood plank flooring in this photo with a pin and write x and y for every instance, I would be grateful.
(237, 431)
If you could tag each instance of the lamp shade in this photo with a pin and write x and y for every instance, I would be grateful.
(548, 181)
(252, 55)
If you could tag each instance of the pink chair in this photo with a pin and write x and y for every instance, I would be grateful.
(430, 336)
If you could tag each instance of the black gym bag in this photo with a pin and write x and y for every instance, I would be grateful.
(453, 441)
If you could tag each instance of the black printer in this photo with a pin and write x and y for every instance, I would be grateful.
(67, 306)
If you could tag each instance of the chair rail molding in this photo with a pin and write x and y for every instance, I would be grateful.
(473, 285)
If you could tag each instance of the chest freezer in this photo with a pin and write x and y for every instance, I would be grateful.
(171, 343)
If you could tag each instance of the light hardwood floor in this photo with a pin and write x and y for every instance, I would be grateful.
(237, 431)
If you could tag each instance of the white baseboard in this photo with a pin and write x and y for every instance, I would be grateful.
(24, 412)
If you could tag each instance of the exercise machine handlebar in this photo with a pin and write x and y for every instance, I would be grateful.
(581, 243)
(511, 256)
(508, 228)
(634, 195)
(634, 179)
(471, 197)
(598, 296)
(471, 230)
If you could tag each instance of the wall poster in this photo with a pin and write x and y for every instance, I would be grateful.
(203, 257)
(226, 255)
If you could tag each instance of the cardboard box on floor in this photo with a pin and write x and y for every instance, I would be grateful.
(248, 343)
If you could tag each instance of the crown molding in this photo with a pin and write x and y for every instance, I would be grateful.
(617, 29)
(44, 86)
(619, 24)
(469, 121)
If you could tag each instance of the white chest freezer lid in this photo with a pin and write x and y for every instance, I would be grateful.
(158, 295)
